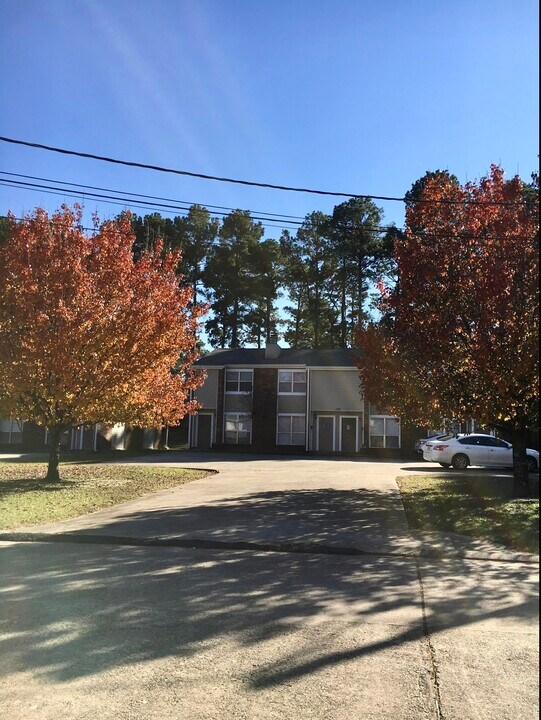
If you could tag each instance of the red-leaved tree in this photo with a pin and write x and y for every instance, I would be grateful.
(87, 333)
(459, 333)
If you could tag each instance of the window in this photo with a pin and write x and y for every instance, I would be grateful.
(483, 440)
(384, 431)
(239, 381)
(291, 430)
(238, 429)
(292, 382)
(11, 432)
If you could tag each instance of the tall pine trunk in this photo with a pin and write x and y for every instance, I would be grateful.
(235, 325)
(343, 310)
(55, 432)
(521, 476)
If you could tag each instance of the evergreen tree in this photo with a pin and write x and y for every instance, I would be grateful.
(361, 254)
(309, 267)
(231, 280)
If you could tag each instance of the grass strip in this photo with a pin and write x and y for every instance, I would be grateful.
(474, 506)
(26, 498)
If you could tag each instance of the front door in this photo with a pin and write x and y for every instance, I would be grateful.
(204, 432)
(348, 434)
(325, 433)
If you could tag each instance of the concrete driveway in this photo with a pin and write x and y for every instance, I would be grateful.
(116, 631)
(279, 501)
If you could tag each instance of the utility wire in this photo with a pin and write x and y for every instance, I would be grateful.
(139, 205)
(236, 181)
(72, 193)
(148, 197)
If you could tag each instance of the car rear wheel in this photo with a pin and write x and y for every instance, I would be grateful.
(445, 465)
(460, 462)
(532, 464)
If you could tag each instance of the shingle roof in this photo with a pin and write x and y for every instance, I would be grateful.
(288, 357)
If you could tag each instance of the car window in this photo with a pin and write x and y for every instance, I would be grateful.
(488, 442)
(470, 440)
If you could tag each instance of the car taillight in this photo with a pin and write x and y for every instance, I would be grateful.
(440, 447)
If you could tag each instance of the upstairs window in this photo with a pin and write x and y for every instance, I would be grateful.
(292, 382)
(239, 381)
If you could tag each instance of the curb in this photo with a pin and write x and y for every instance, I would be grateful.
(292, 548)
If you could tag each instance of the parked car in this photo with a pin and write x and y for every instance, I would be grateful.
(419, 445)
(460, 452)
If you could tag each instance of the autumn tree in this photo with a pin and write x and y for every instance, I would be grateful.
(88, 333)
(460, 337)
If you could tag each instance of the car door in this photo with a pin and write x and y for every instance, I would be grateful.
(475, 448)
(500, 453)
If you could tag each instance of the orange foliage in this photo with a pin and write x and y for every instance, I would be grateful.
(461, 338)
(87, 334)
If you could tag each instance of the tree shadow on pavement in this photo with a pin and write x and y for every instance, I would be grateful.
(76, 610)
(324, 516)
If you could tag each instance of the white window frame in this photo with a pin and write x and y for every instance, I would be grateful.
(211, 427)
(385, 418)
(333, 431)
(238, 392)
(349, 417)
(291, 414)
(290, 393)
(77, 437)
(237, 415)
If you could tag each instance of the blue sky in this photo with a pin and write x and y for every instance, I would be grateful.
(354, 96)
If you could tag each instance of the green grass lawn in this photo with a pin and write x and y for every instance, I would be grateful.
(481, 507)
(27, 499)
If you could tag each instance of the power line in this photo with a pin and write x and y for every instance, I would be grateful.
(287, 188)
(137, 204)
(151, 197)
(126, 201)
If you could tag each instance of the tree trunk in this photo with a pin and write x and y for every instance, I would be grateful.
(268, 314)
(343, 310)
(54, 453)
(297, 322)
(360, 287)
(235, 325)
(521, 484)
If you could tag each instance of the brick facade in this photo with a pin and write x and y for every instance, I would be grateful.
(265, 395)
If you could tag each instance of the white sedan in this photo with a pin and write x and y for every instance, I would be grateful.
(486, 450)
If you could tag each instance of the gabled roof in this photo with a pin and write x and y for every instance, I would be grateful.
(253, 357)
